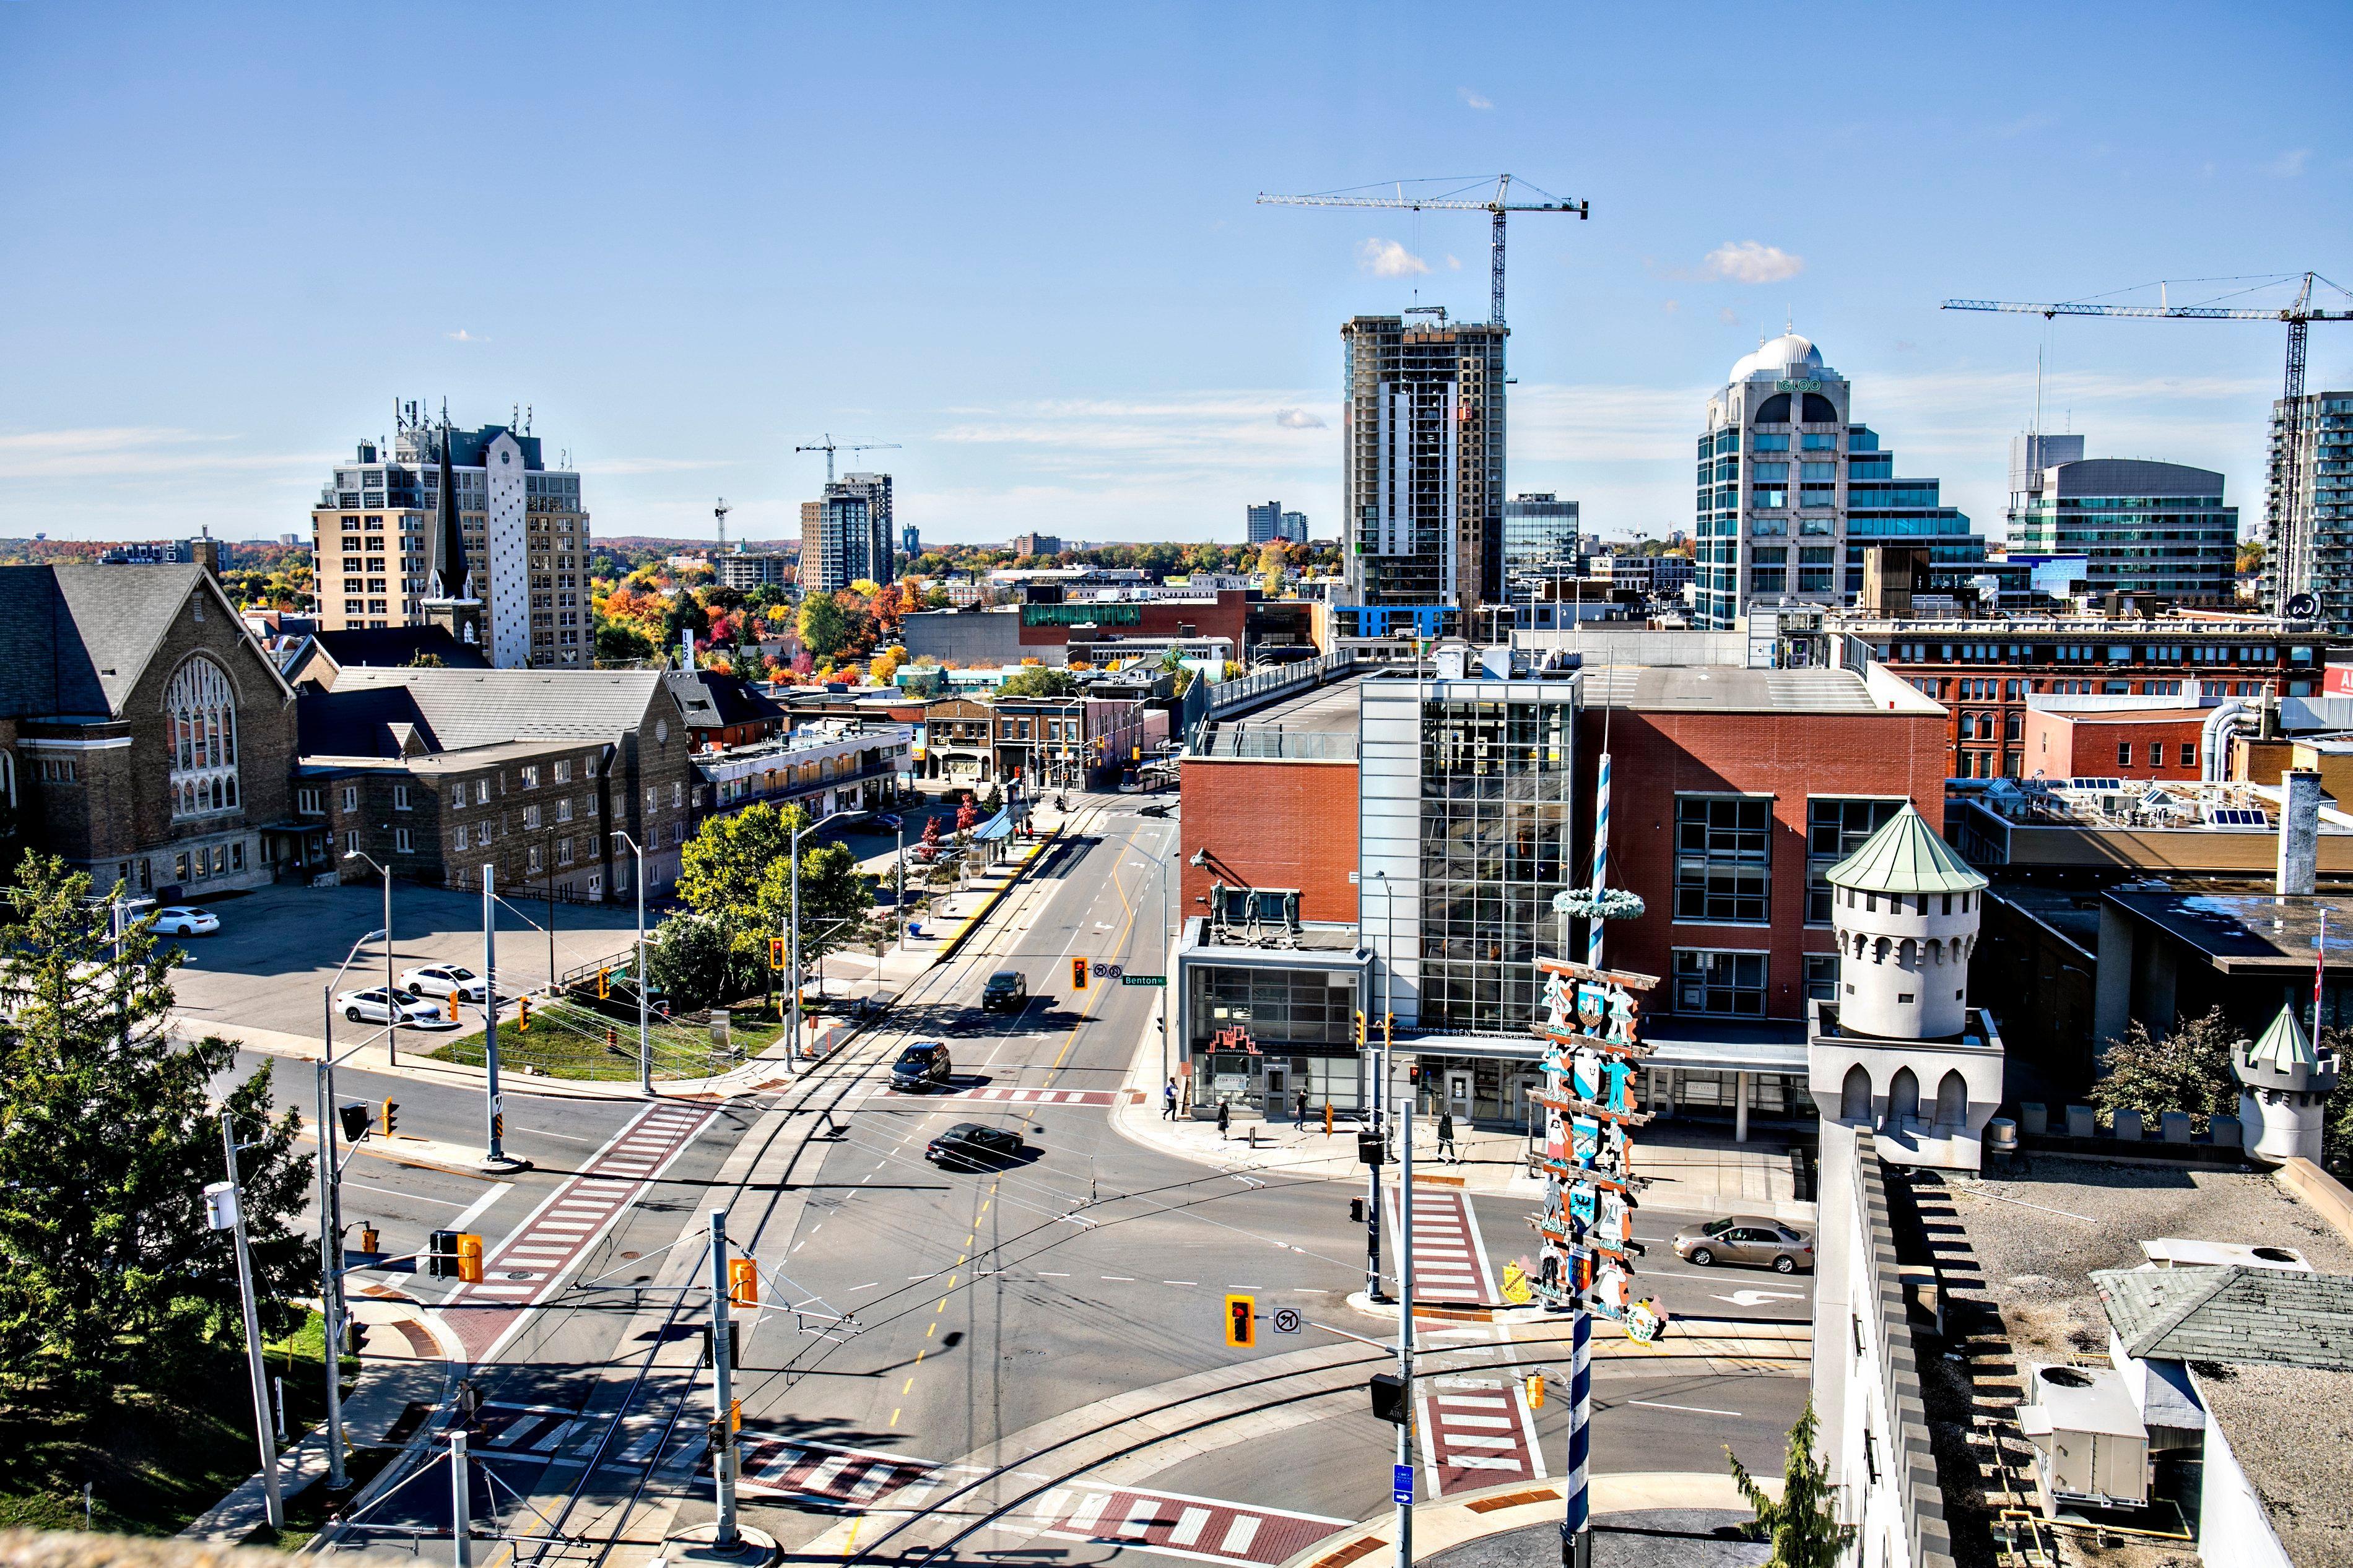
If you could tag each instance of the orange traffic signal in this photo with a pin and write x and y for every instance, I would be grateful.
(470, 1257)
(452, 1000)
(775, 953)
(742, 1282)
(1078, 975)
(522, 1014)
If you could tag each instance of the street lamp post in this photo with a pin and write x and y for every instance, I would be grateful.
(331, 1223)
(644, 1038)
(226, 1204)
(793, 1044)
(391, 1013)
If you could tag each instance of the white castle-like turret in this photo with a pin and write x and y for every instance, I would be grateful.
(2285, 1083)
(1907, 912)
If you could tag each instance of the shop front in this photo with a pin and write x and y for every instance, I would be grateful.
(1257, 1023)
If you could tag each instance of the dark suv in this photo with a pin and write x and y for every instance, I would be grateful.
(970, 1144)
(1007, 990)
(920, 1067)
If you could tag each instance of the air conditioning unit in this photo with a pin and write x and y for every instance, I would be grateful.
(2090, 1446)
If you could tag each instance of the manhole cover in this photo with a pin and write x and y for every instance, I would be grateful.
(642, 1280)
(631, 1256)
(521, 1273)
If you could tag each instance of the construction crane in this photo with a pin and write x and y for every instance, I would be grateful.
(721, 512)
(2291, 564)
(829, 446)
(1496, 206)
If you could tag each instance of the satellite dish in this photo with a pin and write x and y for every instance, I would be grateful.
(2302, 608)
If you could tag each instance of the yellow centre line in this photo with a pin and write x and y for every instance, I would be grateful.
(1119, 944)
(906, 1385)
(894, 1417)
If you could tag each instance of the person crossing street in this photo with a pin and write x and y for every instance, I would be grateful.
(1446, 1150)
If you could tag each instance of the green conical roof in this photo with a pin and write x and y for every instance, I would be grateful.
(1905, 857)
(2284, 1047)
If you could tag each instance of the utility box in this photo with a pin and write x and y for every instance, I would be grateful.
(2091, 1447)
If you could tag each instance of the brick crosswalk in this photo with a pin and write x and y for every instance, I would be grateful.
(503, 1429)
(1449, 1258)
(528, 1263)
(1172, 1525)
(823, 1473)
(1475, 1432)
(1020, 1095)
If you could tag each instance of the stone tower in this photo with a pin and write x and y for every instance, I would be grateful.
(1907, 912)
(2285, 1083)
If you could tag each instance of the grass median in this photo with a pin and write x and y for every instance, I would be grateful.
(570, 1041)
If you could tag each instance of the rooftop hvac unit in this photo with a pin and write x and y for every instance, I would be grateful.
(2090, 1444)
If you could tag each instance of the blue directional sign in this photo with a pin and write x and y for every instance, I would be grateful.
(1402, 1484)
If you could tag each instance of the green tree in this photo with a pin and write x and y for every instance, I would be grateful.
(1040, 680)
(736, 873)
(823, 625)
(109, 1134)
(618, 642)
(2337, 1117)
(693, 964)
(1803, 1526)
(2188, 1069)
(1271, 560)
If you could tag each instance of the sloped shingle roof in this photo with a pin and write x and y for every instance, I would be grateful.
(2285, 1317)
(1905, 857)
(78, 638)
(710, 700)
(482, 706)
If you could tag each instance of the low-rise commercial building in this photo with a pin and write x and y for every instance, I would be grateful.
(824, 767)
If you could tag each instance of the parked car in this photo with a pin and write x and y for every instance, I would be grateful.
(890, 822)
(443, 980)
(970, 1144)
(186, 919)
(922, 1067)
(415, 1011)
(1007, 990)
(1746, 1238)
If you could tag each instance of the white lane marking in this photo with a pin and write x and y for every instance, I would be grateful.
(1690, 1409)
(394, 1192)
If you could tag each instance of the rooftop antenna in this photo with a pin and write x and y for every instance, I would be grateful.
(526, 418)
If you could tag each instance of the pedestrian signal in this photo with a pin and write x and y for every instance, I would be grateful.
(1241, 1321)
(441, 1255)
(1389, 1398)
(355, 1120)
(742, 1282)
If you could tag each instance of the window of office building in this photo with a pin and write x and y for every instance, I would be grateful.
(1834, 830)
(1496, 844)
(1272, 1007)
(1722, 859)
(1726, 984)
(1822, 976)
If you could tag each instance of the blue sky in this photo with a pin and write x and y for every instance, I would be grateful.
(1021, 241)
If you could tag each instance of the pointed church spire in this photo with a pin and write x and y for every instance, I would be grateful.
(452, 579)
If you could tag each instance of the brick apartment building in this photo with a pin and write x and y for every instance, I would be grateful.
(145, 737)
(447, 771)
(2130, 743)
(1983, 671)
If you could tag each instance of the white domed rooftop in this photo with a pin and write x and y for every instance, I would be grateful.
(1783, 356)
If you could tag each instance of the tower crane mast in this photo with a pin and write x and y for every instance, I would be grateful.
(829, 446)
(1496, 207)
(2291, 563)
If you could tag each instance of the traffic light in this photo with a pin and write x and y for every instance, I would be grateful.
(470, 1257)
(612, 1038)
(734, 1416)
(1389, 1029)
(370, 1242)
(391, 1117)
(1356, 1211)
(1360, 1028)
(1389, 1398)
(441, 1256)
(523, 1015)
(452, 1000)
(742, 1282)
(604, 983)
(1078, 975)
(734, 1343)
(1535, 1390)
(1370, 1149)
(354, 1337)
(355, 1119)
(775, 953)
(1241, 1321)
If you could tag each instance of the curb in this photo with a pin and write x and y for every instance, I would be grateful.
(1449, 1522)
(955, 938)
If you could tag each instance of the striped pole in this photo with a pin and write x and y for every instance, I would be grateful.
(1600, 858)
(1576, 1526)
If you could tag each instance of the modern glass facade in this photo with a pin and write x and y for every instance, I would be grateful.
(2141, 527)
(2309, 526)
(1539, 530)
(1495, 848)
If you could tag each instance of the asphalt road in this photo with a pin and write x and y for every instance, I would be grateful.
(940, 1312)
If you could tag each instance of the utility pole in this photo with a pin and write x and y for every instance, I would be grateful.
(723, 1427)
(224, 1207)
(1405, 1311)
(462, 1500)
(494, 1117)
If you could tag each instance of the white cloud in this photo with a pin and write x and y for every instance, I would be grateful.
(1748, 261)
(462, 336)
(1728, 316)
(118, 451)
(1671, 306)
(615, 467)
(1475, 100)
(1299, 419)
(1387, 259)
(2289, 165)
(1454, 264)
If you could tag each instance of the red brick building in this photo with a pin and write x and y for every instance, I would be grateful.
(2129, 744)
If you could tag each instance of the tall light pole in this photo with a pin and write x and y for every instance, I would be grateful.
(1405, 1311)
(225, 1208)
(330, 1222)
(494, 1153)
(722, 1443)
(645, 1037)
(391, 1013)
(793, 1051)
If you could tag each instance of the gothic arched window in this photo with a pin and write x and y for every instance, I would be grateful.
(200, 716)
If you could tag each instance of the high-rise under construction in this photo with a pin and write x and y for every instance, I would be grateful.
(1423, 485)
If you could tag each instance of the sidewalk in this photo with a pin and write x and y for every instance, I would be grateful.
(1691, 1171)
(1450, 1522)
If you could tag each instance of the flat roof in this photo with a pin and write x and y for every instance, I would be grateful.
(1324, 708)
(1720, 689)
(2244, 932)
(2125, 715)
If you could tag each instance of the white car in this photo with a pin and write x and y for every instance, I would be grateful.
(416, 1012)
(443, 980)
(186, 919)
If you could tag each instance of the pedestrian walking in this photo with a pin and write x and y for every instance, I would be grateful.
(1225, 1118)
(1299, 1109)
(1169, 1101)
(1446, 1151)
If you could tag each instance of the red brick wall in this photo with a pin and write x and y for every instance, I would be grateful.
(1655, 756)
(2083, 745)
(1271, 824)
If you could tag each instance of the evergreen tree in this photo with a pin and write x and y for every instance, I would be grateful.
(109, 1134)
(2188, 1069)
(1803, 1526)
